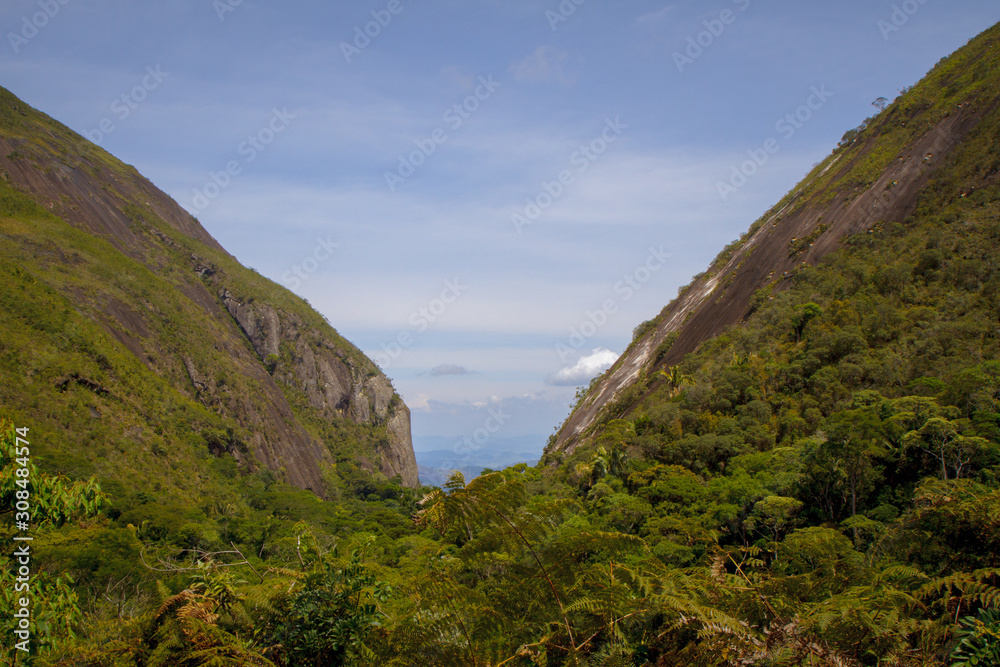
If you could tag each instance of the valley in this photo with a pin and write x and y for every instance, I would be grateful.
(794, 463)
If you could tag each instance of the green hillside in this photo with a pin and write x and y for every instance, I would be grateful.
(803, 470)
(879, 174)
(138, 353)
(133, 340)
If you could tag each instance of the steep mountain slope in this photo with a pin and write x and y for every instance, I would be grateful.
(876, 177)
(138, 348)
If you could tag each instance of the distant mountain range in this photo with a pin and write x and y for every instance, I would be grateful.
(439, 456)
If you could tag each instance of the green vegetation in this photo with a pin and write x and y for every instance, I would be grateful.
(143, 437)
(99, 409)
(817, 486)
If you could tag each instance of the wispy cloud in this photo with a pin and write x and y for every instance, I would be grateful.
(656, 18)
(325, 177)
(521, 414)
(458, 76)
(450, 369)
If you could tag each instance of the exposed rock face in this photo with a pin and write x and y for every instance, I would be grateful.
(276, 347)
(330, 379)
(722, 298)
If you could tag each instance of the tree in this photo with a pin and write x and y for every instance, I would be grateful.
(544, 592)
(609, 461)
(803, 315)
(493, 503)
(776, 514)
(675, 379)
(849, 137)
(880, 103)
(941, 438)
(854, 443)
(329, 618)
(204, 624)
(598, 465)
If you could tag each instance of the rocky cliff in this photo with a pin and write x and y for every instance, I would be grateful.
(122, 258)
(874, 177)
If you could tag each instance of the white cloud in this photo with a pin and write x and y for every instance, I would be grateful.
(421, 402)
(585, 368)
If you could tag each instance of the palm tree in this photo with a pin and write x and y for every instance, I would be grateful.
(675, 379)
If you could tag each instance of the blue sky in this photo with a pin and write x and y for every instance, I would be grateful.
(486, 197)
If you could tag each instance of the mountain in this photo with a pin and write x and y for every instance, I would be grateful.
(138, 349)
(882, 175)
(797, 462)
(438, 457)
